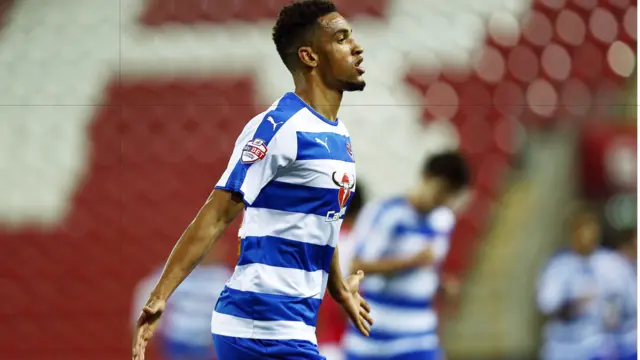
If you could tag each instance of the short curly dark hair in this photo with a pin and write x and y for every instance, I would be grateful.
(295, 25)
(449, 166)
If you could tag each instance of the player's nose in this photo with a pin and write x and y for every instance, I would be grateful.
(357, 49)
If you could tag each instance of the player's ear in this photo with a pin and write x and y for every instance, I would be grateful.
(308, 56)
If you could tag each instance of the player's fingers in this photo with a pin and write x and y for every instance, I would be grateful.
(364, 304)
(366, 316)
(137, 338)
(360, 275)
(141, 350)
(363, 327)
(140, 345)
(136, 351)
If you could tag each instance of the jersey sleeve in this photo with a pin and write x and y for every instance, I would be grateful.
(551, 290)
(442, 221)
(373, 231)
(264, 147)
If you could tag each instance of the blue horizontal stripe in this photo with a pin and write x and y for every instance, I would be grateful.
(390, 300)
(275, 251)
(404, 354)
(267, 307)
(311, 146)
(379, 335)
(297, 198)
(408, 230)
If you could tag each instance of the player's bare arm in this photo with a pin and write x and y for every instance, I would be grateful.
(391, 266)
(345, 292)
(218, 212)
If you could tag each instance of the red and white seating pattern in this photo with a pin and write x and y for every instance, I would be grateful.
(119, 116)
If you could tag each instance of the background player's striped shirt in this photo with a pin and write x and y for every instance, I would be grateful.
(401, 305)
(599, 280)
(185, 326)
(295, 171)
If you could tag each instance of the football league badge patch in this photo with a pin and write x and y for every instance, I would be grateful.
(254, 150)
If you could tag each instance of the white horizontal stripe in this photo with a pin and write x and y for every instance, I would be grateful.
(393, 319)
(228, 325)
(416, 285)
(357, 344)
(317, 173)
(274, 280)
(307, 228)
(311, 123)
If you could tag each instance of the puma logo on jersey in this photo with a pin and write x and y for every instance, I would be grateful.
(325, 143)
(273, 122)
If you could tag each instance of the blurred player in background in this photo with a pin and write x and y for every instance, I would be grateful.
(292, 171)
(332, 321)
(581, 292)
(400, 243)
(626, 333)
(185, 329)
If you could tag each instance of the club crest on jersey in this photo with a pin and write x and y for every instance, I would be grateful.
(254, 150)
(346, 185)
(349, 149)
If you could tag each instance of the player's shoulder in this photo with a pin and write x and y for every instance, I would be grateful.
(563, 258)
(390, 208)
(389, 203)
(608, 257)
(441, 220)
(269, 123)
(342, 129)
(279, 113)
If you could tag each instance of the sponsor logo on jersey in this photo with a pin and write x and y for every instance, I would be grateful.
(346, 185)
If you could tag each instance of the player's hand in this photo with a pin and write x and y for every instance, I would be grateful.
(424, 257)
(451, 286)
(146, 325)
(355, 305)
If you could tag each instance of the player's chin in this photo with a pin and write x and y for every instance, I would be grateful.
(355, 85)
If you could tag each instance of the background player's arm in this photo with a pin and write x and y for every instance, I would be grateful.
(218, 212)
(374, 232)
(552, 293)
(390, 266)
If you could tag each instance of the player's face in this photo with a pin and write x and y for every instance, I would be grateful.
(586, 235)
(437, 192)
(340, 54)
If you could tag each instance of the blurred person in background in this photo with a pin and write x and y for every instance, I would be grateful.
(185, 329)
(625, 334)
(400, 243)
(579, 292)
(332, 321)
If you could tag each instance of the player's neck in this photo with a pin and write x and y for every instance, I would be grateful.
(323, 100)
(413, 199)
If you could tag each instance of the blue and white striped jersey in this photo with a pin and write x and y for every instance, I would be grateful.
(295, 171)
(401, 305)
(600, 282)
(626, 332)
